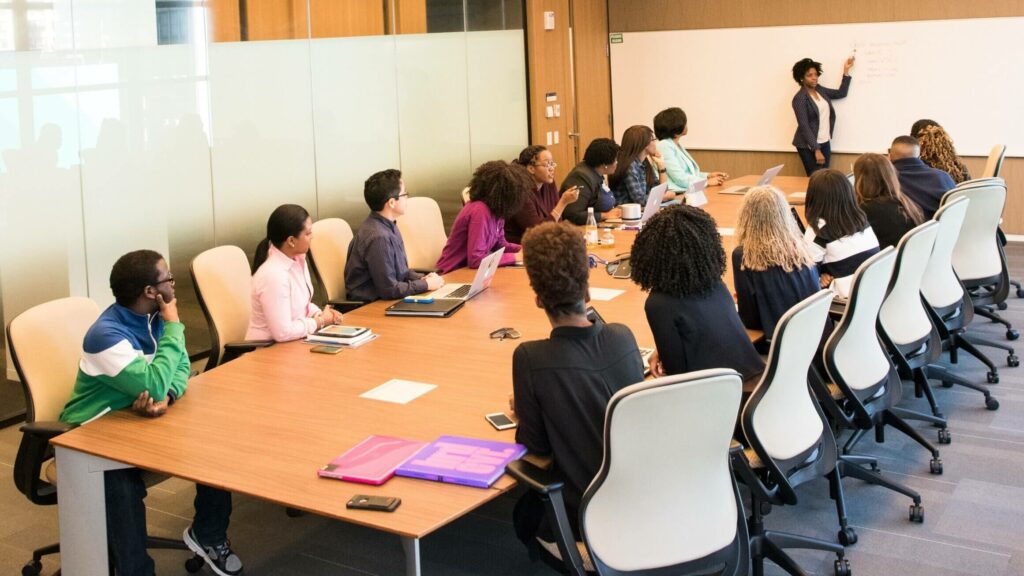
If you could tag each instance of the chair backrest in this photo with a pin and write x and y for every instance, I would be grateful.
(329, 251)
(782, 420)
(422, 230)
(903, 316)
(46, 345)
(940, 286)
(465, 195)
(977, 252)
(664, 495)
(223, 284)
(853, 354)
(994, 165)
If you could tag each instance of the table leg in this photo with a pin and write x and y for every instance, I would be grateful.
(412, 555)
(82, 507)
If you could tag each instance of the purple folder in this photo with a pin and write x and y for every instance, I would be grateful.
(372, 461)
(459, 460)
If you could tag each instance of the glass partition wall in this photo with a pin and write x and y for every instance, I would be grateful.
(179, 125)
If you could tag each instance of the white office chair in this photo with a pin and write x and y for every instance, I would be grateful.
(950, 303)
(422, 229)
(328, 253)
(648, 514)
(994, 164)
(790, 440)
(978, 257)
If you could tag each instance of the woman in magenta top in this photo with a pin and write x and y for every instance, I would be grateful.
(543, 203)
(282, 292)
(496, 192)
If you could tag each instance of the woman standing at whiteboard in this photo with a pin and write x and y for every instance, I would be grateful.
(815, 117)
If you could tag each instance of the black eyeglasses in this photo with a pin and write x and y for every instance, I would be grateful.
(170, 278)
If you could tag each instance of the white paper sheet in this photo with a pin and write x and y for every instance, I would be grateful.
(398, 391)
(604, 294)
(727, 231)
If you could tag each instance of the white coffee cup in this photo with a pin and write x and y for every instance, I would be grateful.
(630, 211)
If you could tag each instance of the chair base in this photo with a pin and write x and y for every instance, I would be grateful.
(35, 566)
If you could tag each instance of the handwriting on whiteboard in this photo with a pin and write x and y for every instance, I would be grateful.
(879, 59)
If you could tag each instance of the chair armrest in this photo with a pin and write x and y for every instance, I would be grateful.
(233, 350)
(32, 453)
(535, 478)
(345, 305)
(743, 470)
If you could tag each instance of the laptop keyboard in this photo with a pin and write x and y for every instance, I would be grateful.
(459, 292)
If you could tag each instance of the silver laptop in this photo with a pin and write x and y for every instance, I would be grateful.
(482, 280)
(764, 180)
(653, 202)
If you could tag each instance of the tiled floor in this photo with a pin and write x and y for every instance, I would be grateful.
(973, 525)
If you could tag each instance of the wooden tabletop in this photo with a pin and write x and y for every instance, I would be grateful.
(263, 424)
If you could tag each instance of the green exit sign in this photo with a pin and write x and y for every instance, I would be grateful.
(615, 38)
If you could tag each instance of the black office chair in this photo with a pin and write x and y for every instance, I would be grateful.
(906, 327)
(646, 513)
(862, 388)
(790, 441)
(46, 345)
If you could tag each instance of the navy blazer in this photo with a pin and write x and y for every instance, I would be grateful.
(807, 114)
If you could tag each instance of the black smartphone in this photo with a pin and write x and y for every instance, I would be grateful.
(378, 503)
(500, 421)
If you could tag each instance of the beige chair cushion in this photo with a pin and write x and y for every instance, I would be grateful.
(329, 249)
(224, 283)
(422, 230)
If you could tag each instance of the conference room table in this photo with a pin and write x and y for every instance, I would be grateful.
(263, 424)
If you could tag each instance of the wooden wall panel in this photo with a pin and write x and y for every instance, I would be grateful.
(276, 19)
(224, 23)
(339, 18)
(592, 71)
(547, 58)
(410, 16)
(644, 15)
(641, 15)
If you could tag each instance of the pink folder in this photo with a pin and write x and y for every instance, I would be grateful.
(372, 461)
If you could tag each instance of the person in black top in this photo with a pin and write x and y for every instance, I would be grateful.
(377, 266)
(889, 212)
(562, 385)
(678, 258)
(772, 269)
(587, 177)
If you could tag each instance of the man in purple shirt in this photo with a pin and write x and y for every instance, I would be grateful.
(377, 266)
(918, 181)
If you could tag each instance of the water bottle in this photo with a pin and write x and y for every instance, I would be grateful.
(591, 229)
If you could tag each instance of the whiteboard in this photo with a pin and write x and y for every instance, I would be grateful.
(736, 84)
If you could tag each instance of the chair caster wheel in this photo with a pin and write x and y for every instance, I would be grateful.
(1020, 292)
(936, 466)
(991, 403)
(992, 377)
(842, 567)
(917, 513)
(1001, 306)
(947, 384)
(194, 564)
(944, 436)
(1012, 334)
(1012, 361)
(33, 568)
(847, 536)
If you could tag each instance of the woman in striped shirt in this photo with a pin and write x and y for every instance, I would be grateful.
(839, 235)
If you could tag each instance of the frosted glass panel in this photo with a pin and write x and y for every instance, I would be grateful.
(433, 116)
(497, 95)
(356, 119)
(262, 135)
(114, 23)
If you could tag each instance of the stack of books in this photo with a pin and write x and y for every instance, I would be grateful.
(338, 335)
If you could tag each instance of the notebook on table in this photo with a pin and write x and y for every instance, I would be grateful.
(482, 280)
(372, 461)
(764, 180)
(440, 308)
(458, 460)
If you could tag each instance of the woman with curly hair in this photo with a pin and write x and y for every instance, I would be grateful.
(889, 212)
(562, 384)
(544, 203)
(633, 177)
(815, 116)
(840, 237)
(496, 192)
(772, 269)
(937, 151)
(678, 258)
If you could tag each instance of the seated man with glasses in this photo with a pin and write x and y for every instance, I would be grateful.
(562, 385)
(134, 356)
(377, 266)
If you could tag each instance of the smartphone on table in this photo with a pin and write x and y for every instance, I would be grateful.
(500, 421)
